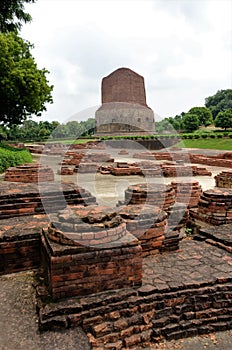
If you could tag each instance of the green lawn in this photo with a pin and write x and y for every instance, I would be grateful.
(66, 141)
(220, 144)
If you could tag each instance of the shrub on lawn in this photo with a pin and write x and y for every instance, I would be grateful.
(10, 156)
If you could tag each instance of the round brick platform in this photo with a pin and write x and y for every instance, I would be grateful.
(215, 206)
(148, 223)
(224, 179)
(88, 250)
(187, 192)
(159, 195)
(93, 226)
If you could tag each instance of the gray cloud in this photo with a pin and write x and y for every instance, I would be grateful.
(183, 56)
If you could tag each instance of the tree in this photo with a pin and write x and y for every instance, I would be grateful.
(24, 89)
(224, 119)
(190, 122)
(219, 102)
(12, 14)
(204, 115)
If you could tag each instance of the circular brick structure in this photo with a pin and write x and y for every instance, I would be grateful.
(224, 179)
(148, 223)
(187, 192)
(87, 250)
(215, 206)
(87, 226)
(159, 195)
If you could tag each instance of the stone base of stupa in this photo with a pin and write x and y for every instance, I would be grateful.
(121, 118)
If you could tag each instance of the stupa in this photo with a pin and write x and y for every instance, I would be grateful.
(124, 110)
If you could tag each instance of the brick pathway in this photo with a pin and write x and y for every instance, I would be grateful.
(194, 264)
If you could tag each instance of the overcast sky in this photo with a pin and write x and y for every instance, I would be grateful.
(183, 49)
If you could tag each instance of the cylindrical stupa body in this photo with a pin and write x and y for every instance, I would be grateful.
(124, 109)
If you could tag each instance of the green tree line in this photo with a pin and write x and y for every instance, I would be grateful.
(31, 130)
(217, 111)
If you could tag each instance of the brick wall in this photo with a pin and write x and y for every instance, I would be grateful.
(77, 271)
(129, 318)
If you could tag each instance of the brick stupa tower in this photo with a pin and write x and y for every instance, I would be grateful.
(124, 110)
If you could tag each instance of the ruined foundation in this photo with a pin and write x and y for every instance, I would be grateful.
(88, 250)
(187, 192)
(148, 224)
(26, 199)
(214, 207)
(224, 179)
(29, 173)
(162, 196)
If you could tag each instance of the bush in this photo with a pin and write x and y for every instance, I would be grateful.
(10, 156)
(230, 136)
(196, 136)
(204, 136)
(219, 136)
(212, 136)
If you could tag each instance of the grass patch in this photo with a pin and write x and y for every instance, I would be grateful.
(75, 141)
(10, 156)
(214, 143)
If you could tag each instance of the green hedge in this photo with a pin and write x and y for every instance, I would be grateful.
(10, 156)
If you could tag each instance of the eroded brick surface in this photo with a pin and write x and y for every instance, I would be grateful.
(29, 173)
(224, 179)
(183, 294)
(214, 207)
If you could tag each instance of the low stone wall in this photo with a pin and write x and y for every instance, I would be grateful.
(85, 167)
(72, 158)
(221, 160)
(121, 169)
(213, 161)
(150, 169)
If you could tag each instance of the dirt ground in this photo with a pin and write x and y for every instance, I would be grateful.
(19, 328)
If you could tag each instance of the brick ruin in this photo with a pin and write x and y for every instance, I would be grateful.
(29, 173)
(108, 264)
(224, 179)
(124, 109)
(26, 199)
(220, 160)
(159, 195)
(147, 223)
(95, 252)
(214, 207)
(188, 192)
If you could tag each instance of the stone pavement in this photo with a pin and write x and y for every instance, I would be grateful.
(184, 293)
(194, 264)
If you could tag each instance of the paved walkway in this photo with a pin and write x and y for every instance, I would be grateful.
(195, 262)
